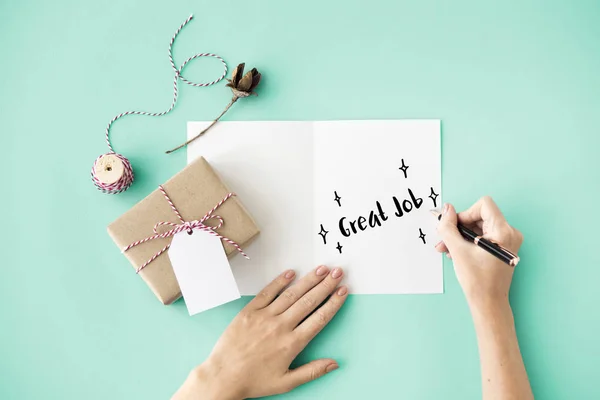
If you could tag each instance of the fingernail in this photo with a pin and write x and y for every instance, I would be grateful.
(438, 243)
(331, 367)
(336, 273)
(342, 291)
(289, 274)
(446, 208)
(322, 270)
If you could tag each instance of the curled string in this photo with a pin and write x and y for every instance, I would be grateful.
(177, 78)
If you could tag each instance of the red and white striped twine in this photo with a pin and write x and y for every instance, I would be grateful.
(119, 186)
(185, 226)
(126, 181)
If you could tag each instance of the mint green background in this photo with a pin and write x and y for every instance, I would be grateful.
(516, 84)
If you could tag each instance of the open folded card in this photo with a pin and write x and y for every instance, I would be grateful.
(354, 194)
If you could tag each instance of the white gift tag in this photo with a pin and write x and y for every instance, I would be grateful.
(202, 270)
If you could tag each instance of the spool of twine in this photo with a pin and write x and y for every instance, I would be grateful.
(112, 172)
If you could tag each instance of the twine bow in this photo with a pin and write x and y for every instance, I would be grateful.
(189, 226)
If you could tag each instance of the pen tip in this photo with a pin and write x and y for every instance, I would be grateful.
(435, 212)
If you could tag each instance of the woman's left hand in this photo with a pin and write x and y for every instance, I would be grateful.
(253, 356)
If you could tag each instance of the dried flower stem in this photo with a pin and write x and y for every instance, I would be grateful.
(233, 100)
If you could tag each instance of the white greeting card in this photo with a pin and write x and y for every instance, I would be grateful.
(354, 194)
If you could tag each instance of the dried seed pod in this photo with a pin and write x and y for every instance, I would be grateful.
(241, 86)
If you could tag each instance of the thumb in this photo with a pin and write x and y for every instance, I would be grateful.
(447, 228)
(309, 372)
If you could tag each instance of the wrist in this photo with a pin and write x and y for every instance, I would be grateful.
(486, 309)
(205, 383)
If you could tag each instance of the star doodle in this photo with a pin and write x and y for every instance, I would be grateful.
(337, 198)
(433, 196)
(339, 247)
(422, 236)
(403, 168)
(323, 234)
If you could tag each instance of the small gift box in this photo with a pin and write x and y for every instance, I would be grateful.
(195, 198)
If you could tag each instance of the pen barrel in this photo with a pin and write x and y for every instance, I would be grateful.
(489, 246)
(493, 248)
(497, 251)
(467, 233)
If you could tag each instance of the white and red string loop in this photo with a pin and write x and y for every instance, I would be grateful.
(127, 179)
(189, 226)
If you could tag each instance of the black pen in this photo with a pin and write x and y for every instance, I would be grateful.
(491, 247)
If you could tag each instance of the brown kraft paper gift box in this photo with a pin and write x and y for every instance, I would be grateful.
(194, 191)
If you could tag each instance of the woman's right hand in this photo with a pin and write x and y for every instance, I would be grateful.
(485, 279)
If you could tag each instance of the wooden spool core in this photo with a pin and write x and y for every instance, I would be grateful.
(109, 169)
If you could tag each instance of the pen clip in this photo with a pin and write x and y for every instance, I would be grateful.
(515, 257)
